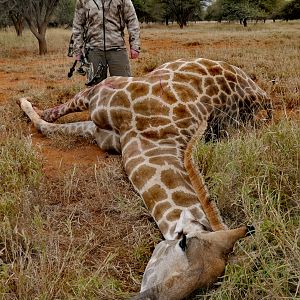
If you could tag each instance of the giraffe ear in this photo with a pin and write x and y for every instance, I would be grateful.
(182, 243)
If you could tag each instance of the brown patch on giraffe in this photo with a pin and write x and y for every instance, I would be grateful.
(163, 133)
(223, 85)
(227, 67)
(215, 70)
(193, 108)
(202, 106)
(223, 97)
(171, 179)
(197, 213)
(160, 209)
(207, 102)
(180, 112)
(174, 65)
(138, 89)
(159, 75)
(212, 90)
(184, 199)
(242, 82)
(232, 86)
(143, 122)
(154, 195)
(120, 118)
(208, 63)
(151, 107)
(166, 160)
(230, 76)
(146, 144)
(133, 162)
(143, 174)
(193, 80)
(162, 91)
(116, 83)
(100, 117)
(216, 101)
(168, 131)
(184, 92)
(240, 91)
(163, 227)
(174, 215)
(194, 68)
(161, 151)
(208, 81)
(185, 123)
(105, 94)
(120, 99)
(128, 136)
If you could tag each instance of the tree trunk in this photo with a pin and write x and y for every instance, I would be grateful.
(245, 22)
(40, 34)
(18, 22)
(42, 45)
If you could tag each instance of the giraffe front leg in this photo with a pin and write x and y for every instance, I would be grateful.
(78, 103)
(85, 129)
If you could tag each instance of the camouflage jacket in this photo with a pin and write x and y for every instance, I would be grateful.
(88, 24)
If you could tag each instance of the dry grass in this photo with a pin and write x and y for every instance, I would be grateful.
(254, 178)
(82, 233)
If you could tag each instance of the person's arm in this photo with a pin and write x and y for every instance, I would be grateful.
(79, 23)
(133, 28)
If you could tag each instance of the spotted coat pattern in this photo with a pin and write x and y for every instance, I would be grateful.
(150, 120)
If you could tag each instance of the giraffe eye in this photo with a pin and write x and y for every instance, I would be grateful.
(182, 243)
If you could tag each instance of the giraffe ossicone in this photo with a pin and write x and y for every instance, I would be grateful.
(154, 122)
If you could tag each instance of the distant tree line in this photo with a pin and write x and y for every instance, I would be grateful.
(243, 10)
(183, 11)
(39, 14)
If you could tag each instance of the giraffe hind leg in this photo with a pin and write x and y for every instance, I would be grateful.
(85, 129)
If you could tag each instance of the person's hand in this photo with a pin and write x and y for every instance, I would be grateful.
(78, 57)
(134, 54)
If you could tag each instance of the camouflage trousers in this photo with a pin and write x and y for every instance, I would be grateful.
(115, 61)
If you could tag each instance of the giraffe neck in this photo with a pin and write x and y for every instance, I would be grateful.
(157, 172)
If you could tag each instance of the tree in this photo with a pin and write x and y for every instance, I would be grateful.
(182, 10)
(149, 10)
(243, 10)
(64, 12)
(9, 15)
(18, 21)
(36, 13)
(291, 11)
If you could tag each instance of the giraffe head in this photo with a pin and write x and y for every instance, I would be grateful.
(197, 260)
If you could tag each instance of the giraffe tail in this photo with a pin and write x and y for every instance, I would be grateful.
(209, 207)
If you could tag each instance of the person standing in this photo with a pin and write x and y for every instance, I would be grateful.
(98, 33)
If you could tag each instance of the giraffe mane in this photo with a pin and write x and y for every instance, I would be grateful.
(209, 207)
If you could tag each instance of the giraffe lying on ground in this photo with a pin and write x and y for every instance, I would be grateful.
(154, 122)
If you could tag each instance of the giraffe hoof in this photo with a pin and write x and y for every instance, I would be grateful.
(250, 230)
